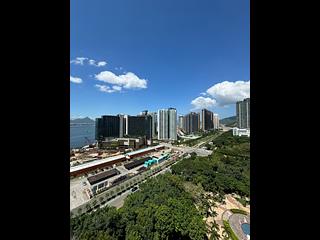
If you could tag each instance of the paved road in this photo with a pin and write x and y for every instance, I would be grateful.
(119, 200)
(199, 151)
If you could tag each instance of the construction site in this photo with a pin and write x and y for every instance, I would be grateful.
(105, 149)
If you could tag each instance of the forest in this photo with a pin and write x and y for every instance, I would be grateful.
(162, 209)
(227, 170)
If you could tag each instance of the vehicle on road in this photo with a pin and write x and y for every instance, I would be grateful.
(134, 189)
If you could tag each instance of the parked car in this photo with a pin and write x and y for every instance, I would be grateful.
(134, 189)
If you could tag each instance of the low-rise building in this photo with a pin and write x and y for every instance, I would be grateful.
(123, 143)
(240, 132)
(100, 181)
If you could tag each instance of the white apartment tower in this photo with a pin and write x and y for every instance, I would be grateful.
(167, 124)
(215, 121)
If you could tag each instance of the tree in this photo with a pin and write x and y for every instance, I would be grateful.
(79, 210)
(111, 193)
(214, 231)
(107, 194)
(88, 207)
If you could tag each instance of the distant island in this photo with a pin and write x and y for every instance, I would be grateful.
(79, 121)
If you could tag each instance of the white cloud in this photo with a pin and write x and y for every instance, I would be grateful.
(117, 88)
(92, 62)
(226, 92)
(203, 94)
(107, 89)
(101, 64)
(75, 79)
(79, 60)
(128, 80)
(203, 102)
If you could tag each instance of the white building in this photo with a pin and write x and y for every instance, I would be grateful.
(167, 124)
(216, 121)
(240, 132)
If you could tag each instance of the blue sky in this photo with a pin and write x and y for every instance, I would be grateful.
(158, 54)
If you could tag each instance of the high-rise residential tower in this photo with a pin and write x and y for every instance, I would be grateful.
(243, 113)
(206, 120)
(154, 117)
(138, 126)
(180, 121)
(192, 121)
(107, 127)
(167, 124)
(216, 121)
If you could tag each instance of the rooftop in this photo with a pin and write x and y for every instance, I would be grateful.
(102, 176)
(109, 159)
(144, 150)
(95, 163)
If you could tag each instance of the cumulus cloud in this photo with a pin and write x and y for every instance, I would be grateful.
(92, 62)
(128, 80)
(75, 79)
(107, 89)
(203, 102)
(226, 92)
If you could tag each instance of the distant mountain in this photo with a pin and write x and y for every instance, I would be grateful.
(85, 120)
(229, 121)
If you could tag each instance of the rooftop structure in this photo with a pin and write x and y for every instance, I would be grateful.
(91, 166)
(102, 176)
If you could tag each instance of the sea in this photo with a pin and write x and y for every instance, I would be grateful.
(81, 135)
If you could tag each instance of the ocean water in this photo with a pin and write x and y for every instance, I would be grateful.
(79, 133)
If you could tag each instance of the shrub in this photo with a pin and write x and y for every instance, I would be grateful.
(239, 211)
(228, 229)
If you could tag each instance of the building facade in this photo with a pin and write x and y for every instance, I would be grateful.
(172, 124)
(167, 124)
(206, 120)
(241, 132)
(107, 127)
(137, 126)
(243, 113)
(191, 122)
(216, 121)
(180, 121)
(154, 117)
